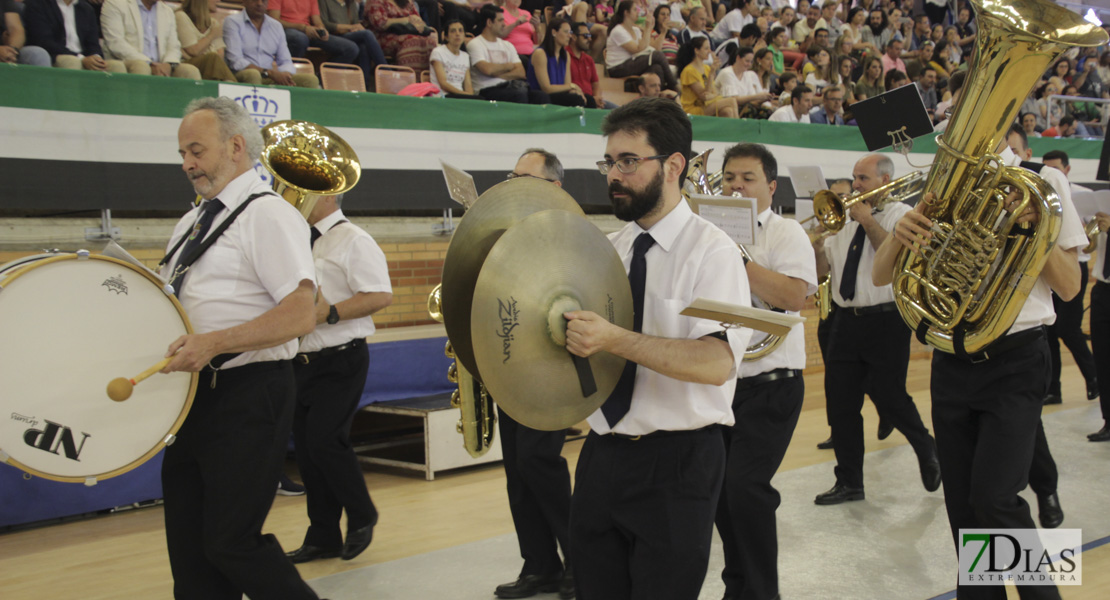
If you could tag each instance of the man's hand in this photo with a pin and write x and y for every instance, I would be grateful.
(1029, 215)
(160, 69)
(588, 333)
(313, 33)
(8, 54)
(281, 77)
(860, 212)
(94, 63)
(191, 353)
(323, 307)
(913, 229)
(1103, 221)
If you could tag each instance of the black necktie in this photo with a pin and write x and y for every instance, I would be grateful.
(1105, 259)
(851, 265)
(315, 236)
(618, 403)
(200, 229)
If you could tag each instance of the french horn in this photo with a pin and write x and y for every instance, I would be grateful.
(967, 287)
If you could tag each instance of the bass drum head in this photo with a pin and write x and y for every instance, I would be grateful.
(72, 323)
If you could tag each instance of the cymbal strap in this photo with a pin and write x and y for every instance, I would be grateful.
(585, 375)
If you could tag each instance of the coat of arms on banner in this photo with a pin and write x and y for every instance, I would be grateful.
(265, 105)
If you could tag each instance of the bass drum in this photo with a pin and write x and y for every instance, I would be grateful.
(71, 323)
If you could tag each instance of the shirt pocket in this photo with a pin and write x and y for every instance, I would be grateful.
(220, 268)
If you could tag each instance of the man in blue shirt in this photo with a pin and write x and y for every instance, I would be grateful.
(829, 111)
(255, 44)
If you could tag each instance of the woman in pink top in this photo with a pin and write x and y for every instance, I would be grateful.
(522, 30)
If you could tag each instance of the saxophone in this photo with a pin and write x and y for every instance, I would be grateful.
(980, 265)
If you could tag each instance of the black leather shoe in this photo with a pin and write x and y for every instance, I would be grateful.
(825, 445)
(308, 553)
(527, 586)
(1053, 399)
(1092, 389)
(566, 585)
(839, 493)
(885, 429)
(1102, 435)
(358, 540)
(930, 473)
(1051, 515)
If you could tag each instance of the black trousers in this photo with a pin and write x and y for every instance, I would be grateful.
(328, 391)
(1100, 340)
(986, 417)
(654, 62)
(514, 93)
(219, 480)
(1069, 329)
(538, 483)
(766, 416)
(823, 328)
(641, 519)
(868, 353)
(1043, 475)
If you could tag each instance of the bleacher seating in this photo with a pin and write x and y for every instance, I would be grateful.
(339, 76)
(390, 79)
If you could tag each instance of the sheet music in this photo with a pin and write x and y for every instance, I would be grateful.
(807, 181)
(460, 184)
(803, 209)
(1102, 201)
(735, 216)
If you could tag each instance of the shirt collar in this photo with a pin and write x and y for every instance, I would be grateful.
(237, 190)
(1008, 157)
(323, 225)
(762, 217)
(667, 229)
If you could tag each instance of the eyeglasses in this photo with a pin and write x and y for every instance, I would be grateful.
(626, 165)
(585, 35)
(514, 175)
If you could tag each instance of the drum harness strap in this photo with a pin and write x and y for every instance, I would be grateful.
(187, 261)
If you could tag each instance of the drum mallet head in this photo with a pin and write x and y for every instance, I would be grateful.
(119, 389)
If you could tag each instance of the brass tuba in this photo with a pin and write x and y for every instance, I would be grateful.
(308, 161)
(475, 405)
(700, 181)
(980, 264)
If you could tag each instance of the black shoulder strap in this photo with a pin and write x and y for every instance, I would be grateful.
(187, 261)
(1032, 166)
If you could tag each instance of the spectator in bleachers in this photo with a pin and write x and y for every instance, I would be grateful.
(832, 102)
(72, 42)
(583, 69)
(763, 66)
(852, 31)
(202, 42)
(892, 56)
(919, 35)
(254, 42)
(401, 32)
(341, 19)
(304, 28)
(895, 79)
(628, 51)
(878, 33)
(1049, 113)
(801, 100)
(950, 51)
(13, 38)
(776, 42)
(924, 59)
(784, 86)
(1065, 128)
(595, 17)
(143, 35)
(743, 13)
(804, 28)
(937, 33)
(649, 86)
(549, 70)
(522, 29)
(695, 26)
(450, 70)
(966, 30)
(495, 66)
(955, 85)
(787, 17)
(700, 95)
(661, 37)
(740, 82)
(1029, 124)
(831, 14)
(927, 87)
(818, 70)
(465, 11)
(821, 39)
(870, 82)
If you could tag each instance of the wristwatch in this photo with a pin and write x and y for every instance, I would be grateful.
(266, 73)
(333, 315)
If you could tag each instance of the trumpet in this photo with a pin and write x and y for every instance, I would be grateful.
(831, 209)
(1092, 229)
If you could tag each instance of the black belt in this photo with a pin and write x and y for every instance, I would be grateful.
(1006, 344)
(306, 357)
(218, 361)
(768, 377)
(860, 311)
(664, 433)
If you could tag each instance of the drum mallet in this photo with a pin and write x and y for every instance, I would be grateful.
(119, 389)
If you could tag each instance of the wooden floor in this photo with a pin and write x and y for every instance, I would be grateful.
(124, 555)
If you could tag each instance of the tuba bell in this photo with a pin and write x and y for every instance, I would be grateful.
(477, 420)
(700, 181)
(308, 161)
(981, 264)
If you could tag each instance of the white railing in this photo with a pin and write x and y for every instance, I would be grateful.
(1056, 100)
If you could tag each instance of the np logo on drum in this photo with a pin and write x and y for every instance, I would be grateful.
(54, 437)
(509, 316)
(116, 284)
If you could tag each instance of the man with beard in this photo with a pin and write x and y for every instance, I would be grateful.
(248, 290)
(878, 32)
(769, 392)
(652, 466)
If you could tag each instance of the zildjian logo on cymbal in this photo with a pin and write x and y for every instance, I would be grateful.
(510, 318)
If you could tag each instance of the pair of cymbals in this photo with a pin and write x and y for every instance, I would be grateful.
(523, 255)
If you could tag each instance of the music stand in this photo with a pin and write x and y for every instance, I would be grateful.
(893, 118)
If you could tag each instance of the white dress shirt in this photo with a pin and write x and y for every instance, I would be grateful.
(785, 114)
(691, 259)
(69, 20)
(1038, 308)
(836, 250)
(348, 262)
(781, 245)
(261, 258)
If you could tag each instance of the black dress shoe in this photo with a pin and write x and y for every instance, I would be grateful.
(527, 586)
(1102, 435)
(825, 445)
(885, 429)
(1092, 389)
(930, 473)
(358, 540)
(308, 553)
(838, 494)
(566, 585)
(1053, 399)
(1051, 515)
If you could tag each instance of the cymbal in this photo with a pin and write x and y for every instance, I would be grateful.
(495, 211)
(549, 263)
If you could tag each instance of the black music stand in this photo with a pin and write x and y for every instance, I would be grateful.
(892, 118)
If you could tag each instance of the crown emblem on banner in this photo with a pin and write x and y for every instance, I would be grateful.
(262, 109)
